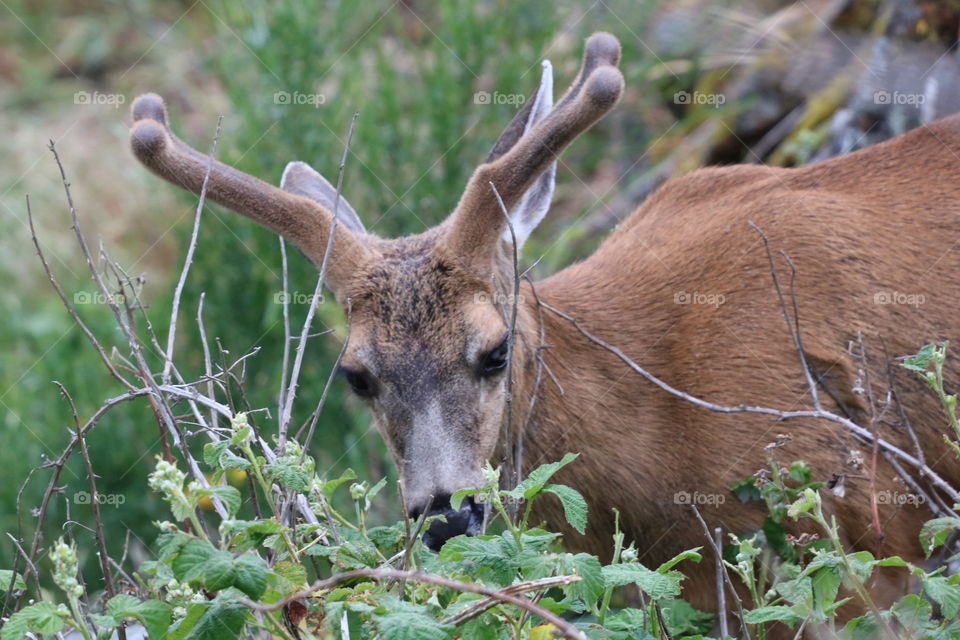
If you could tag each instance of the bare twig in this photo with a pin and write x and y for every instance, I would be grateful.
(178, 291)
(302, 345)
(717, 546)
(477, 607)
(69, 307)
(563, 628)
(508, 436)
(285, 284)
(793, 326)
(851, 426)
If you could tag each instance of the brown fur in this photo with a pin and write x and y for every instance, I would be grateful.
(425, 308)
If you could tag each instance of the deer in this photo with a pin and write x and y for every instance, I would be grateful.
(441, 351)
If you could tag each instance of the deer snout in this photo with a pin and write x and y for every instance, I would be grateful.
(467, 520)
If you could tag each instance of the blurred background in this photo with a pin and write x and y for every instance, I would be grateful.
(434, 83)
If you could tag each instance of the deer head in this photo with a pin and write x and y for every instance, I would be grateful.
(429, 342)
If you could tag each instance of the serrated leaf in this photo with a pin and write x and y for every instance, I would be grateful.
(945, 592)
(153, 614)
(212, 452)
(654, 584)
(215, 569)
(914, 613)
(684, 621)
(221, 619)
(251, 574)
(230, 460)
(16, 626)
(627, 620)
(228, 495)
(539, 477)
(590, 586)
(102, 621)
(772, 614)
(411, 626)
(289, 475)
(40, 617)
(574, 506)
(6, 576)
(482, 553)
(934, 533)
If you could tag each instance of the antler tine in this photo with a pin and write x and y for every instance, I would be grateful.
(303, 222)
(477, 221)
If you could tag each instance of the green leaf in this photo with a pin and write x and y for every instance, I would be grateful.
(772, 614)
(6, 575)
(251, 574)
(945, 592)
(862, 563)
(17, 626)
(485, 627)
(411, 626)
(154, 615)
(539, 477)
(215, 569)
(481, 553)
(684, 621)
(221, 619)
(456, 500)
(41, 617)
(327, 488)
(241, 435)
(689, 554)
(892, 561)
(627, 620)
(574, 506)
(195, 558)
(746, 490)
(288, 474)
(934, 533)
(914, 613)
(228, 495)
(212, 452)
(588, 568)
(800, 472)
(927, 355)
(654, 584)
(249, 534)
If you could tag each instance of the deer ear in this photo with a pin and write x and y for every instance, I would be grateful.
(301, 179)
(535, 202)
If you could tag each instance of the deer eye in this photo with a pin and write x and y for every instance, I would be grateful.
(361, 382)
(496, 359)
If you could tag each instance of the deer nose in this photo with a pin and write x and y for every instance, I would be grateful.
(467, 520)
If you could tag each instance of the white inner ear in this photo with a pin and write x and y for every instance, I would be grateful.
(303, 180)
(535, 203)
